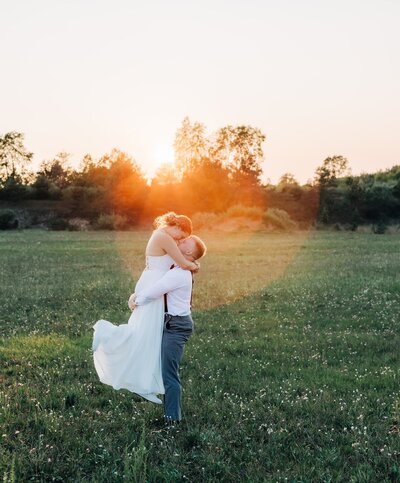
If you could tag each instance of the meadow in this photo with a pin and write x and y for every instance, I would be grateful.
(292, 373)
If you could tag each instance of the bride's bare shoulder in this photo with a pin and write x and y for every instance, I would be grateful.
(159, 232)
(157, 242)
(159, 235)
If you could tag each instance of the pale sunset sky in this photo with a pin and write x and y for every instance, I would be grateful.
(318, 77)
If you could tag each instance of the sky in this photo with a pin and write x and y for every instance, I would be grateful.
(318, 77)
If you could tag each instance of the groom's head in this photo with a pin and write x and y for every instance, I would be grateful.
(192, 247)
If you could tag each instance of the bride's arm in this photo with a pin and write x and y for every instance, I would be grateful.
(168, 244)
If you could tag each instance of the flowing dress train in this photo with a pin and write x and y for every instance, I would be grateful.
(128, 356)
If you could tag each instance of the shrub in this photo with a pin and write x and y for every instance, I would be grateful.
(277, 219)
(41, 188)
(380, 228)
(364, 228)
(111, 222)
(78, 224)
(8, 219)
(13, 189)
(55, 192)
(205, 220)
(58, 224)
(241, 211)
(350, 226)
(121, 222)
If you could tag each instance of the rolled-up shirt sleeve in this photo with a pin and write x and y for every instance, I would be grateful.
(170, 281)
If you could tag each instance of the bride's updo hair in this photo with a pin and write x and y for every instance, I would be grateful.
(172, 219)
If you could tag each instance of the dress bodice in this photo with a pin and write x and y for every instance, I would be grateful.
(162, 262)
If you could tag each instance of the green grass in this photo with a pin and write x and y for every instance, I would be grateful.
(291, 374)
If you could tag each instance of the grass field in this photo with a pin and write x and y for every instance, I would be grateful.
(292, 373)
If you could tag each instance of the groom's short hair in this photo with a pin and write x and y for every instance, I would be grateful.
(200, 247)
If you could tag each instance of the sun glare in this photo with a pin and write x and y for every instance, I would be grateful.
(163, 153)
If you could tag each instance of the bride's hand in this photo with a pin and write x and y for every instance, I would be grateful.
(196, 270)
(131, 301)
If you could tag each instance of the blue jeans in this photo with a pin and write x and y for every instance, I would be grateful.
(177, 330)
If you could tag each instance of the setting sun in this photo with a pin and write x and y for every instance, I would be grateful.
(163, 153)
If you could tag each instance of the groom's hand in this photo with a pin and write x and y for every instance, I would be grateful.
(131, 302)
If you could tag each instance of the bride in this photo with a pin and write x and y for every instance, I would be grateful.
(128, 356)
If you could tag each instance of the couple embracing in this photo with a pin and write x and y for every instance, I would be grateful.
(144, 355)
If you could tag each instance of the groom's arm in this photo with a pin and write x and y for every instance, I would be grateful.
(172, 280)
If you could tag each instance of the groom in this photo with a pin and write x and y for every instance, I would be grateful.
(176, 286)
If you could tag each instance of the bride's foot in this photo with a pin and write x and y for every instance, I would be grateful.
(151, 397)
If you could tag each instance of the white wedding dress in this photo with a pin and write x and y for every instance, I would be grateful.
(128, 356)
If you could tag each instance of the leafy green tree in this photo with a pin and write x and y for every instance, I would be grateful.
(113, 183)
(380, 203)
(14, 189)
(208, 187)
(14, 157)
(331, 169)
(288, 184)
(91, 173)
(396, 190)
(240, 149)
(166, 174)
(287, 179)
(41, 187)
(191, 145)
(57, 170)
(126, 186)
(389, 175)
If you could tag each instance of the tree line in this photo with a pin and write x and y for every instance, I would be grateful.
(211, 174)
